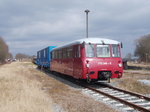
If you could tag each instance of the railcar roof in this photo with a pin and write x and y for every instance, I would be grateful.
(46, 48)
(90, 40)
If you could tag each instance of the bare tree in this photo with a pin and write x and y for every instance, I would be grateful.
(3, 50)
(143, 48)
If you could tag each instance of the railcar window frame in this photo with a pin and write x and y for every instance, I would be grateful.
(77, 51)
(64, 53)
(93, 51)
(117, 53)
(55, 54)
(109, 55)
(60, 54)
(52, 55)
(69, 52)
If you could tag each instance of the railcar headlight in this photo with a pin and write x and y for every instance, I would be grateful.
(87, 65)
(120, 64)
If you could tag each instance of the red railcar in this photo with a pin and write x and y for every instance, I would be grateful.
(89, 58)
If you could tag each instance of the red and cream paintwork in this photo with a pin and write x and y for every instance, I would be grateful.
(89, 58)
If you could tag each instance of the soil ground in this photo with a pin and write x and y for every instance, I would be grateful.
(24, 88)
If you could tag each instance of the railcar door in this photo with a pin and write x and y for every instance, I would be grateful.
(77, 62)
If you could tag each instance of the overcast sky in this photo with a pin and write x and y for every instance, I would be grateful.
(30, 25)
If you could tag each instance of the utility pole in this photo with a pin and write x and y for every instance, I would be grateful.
(86, 11)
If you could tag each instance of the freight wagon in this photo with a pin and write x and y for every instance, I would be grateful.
(44, 57)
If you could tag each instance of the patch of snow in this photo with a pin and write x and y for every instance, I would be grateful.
(146, 82)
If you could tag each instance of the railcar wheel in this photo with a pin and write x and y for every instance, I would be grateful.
(88, 80)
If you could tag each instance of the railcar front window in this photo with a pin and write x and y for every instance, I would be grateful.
(115, 51)
(103, 51)
(89, 50)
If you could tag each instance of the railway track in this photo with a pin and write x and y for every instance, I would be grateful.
(125, 100)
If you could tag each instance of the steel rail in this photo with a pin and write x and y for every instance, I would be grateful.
(129, 92)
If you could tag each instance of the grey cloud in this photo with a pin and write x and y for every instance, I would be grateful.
(25, 22)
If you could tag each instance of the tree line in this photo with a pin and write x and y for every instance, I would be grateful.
(21, 56)
(142, 50)
(5, 55)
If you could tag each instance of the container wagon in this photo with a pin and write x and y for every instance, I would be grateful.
(44, 57)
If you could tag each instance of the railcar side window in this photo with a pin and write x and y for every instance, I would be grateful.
(69, 52)
(77, 52)
(60, 54)
(52, 55)
(89, 50)
(57, 54)
(103, 51)
(64, 53)
(115, 51)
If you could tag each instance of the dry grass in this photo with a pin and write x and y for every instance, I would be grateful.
(21, 94)
(25, 89)
(134, 85)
